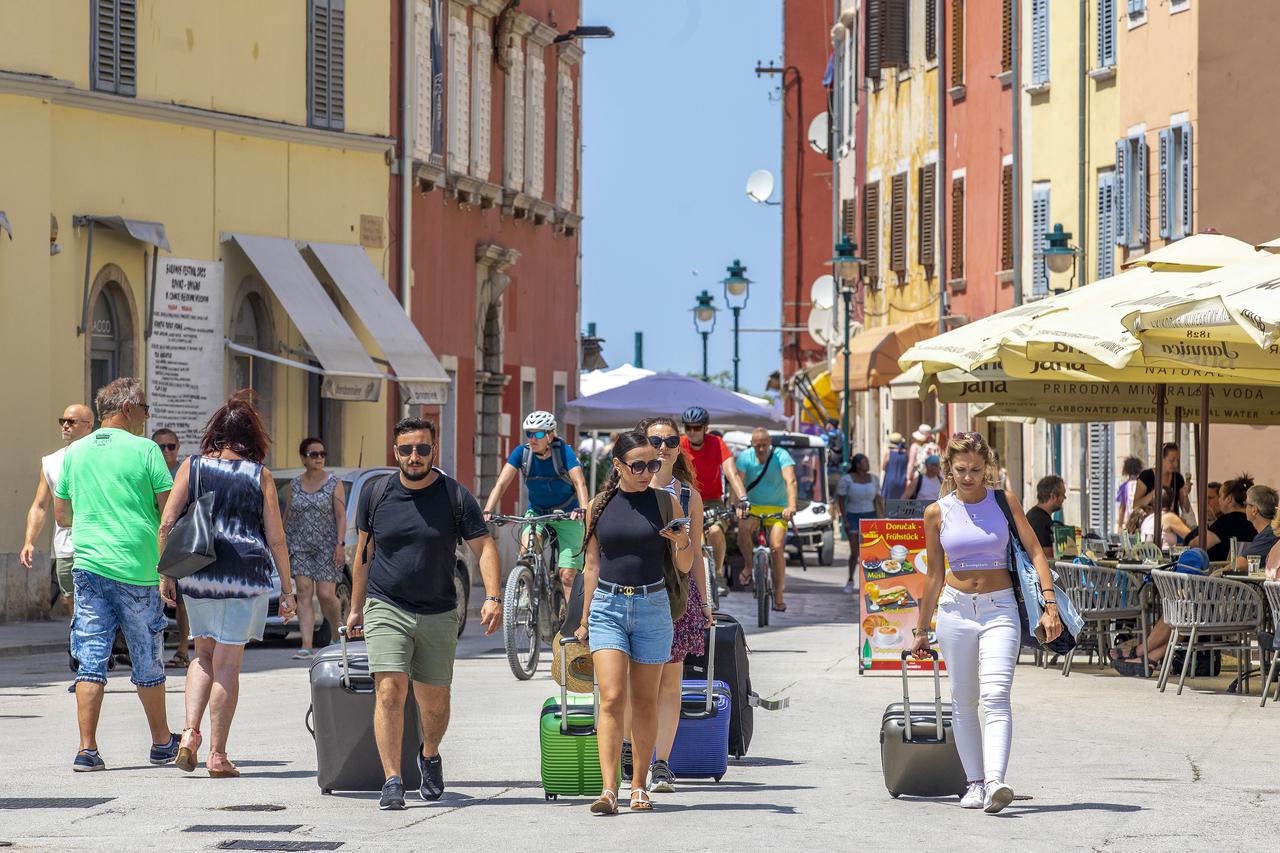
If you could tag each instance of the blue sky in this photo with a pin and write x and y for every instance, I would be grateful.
(674, 120)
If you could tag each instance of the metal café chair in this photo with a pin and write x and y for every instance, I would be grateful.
(1272, 589)
(1103, 597)
(1196, 605)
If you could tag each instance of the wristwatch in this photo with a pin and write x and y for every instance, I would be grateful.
(496, 598)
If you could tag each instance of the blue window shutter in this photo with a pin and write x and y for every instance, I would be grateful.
(1106, 225)
(1141, 198)
(1163, 166)
(1106, 33)
(1039, 227)
(1184, 179)
(1120, 226)
(1039, 42)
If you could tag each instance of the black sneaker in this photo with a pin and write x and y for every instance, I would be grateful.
(165, 753)
(432, 770)
(627, 768)
(661, 779)
(87, 761)
(392, 795)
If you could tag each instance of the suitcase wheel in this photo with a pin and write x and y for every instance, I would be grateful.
(894, 794)
(550, 797)
(326, 791)
(721, 776)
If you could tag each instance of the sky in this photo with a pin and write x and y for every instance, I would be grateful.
(674, 119)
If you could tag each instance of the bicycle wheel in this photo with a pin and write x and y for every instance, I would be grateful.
(760, 566)
(520, 623)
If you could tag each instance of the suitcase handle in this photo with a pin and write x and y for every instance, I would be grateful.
(564, 690)
(346, 667)
(711, 643)
(937, 693)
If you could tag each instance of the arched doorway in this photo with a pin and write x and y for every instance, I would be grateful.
(111, 331)
(490, 382)
(251, 327)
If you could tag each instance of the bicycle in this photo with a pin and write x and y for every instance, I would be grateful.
(710, 516)
(762, 570)
(533, 603)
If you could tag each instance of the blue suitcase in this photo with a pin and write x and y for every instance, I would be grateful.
(701, 748)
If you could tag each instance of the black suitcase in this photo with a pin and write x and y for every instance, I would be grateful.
(340, 720)
(917, 746)
(731, 667)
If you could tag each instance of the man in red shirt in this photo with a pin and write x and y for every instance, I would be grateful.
(711, 458)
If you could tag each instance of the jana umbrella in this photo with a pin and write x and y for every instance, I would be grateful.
(664, 394)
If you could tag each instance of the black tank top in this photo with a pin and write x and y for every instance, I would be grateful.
(631, 550)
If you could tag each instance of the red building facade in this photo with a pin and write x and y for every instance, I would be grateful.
(493, 133)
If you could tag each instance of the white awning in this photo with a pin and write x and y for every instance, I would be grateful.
(142, 230)
(349, 373)
(422, 380)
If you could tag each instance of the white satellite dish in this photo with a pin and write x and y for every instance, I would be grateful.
(820, 132)
(820, 325)
(822, 293)
(760, 186)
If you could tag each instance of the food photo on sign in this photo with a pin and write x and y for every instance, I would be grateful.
(892, 570)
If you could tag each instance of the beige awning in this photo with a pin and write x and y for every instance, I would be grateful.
(1197, 253)
(874, 354)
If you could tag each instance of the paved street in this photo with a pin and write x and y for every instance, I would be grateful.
(1108, 763)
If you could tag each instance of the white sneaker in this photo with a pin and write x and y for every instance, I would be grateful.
(848, 588)
(997, 797)
(972, 797)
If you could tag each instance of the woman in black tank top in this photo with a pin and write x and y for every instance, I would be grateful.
(626, 615)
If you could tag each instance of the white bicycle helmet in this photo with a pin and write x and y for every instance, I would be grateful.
(540, 420)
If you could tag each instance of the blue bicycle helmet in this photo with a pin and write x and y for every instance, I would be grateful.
(696, 415)
(1194, 561)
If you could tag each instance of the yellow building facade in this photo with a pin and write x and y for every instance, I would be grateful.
(235, 126)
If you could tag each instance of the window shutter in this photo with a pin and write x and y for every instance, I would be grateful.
(957, 228)
(1039, 227)
(872, 10)
(1142, 198)
(1006, 41)
(898, 225)
(1120, 191)
(513, 120)
(422, 94)
(1039, 41)
(1163, 163)
(127, 47)
(930, 29)
(481, 97)
(105, 52)
(535, 136)
(1101, 475)
(564, 139)
(957, 42)
(337, 63)
(894, 31)
(326, 37)
(1006, 218)
(848, 218)
(113, 65)
(1184, 179)
(927, 204)
(1106, 33)
(871, 230)
(1105, 267)
(459, 91)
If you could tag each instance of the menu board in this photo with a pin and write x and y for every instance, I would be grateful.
(185, 352)
(892, 568)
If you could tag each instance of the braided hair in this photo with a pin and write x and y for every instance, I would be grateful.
(624, 444)
(681, 469)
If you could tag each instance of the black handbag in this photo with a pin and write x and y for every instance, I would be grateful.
(190, 545)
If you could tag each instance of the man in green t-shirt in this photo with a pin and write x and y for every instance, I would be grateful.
(113, 488)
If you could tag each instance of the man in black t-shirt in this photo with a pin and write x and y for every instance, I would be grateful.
(1142, 492)
(1051, 492)
(410, 622)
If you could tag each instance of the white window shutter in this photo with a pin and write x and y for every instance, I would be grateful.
(1039, 41)
(564, 138)
(422, 95)
(535, 138)
(459, 90)
(1039, 228)
(1163, 165)
(1184, 180)
(1142, 198)
(513, 118)
(482, 97)
(1121, 195)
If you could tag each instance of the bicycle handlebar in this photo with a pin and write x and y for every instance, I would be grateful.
(528, 519)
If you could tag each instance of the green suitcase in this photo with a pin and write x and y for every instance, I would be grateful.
(567, 741)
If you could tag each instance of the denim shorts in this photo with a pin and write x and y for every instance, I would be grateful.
(230, 621)
(639, 625)
(104, 606)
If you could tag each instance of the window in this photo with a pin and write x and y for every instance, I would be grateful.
(1102, 457)
(871, 230)
(930, 30)
(1105, 265)
(251, 327)
(1039, 227)
(1039, 42)
(871, 14)
(422, 80)
(326, 63)
(957, 42)
(565, 141)
(513, 117)
(1132, 209)
(535, 135)
(1006, 217)
(106, 339)
(481, 97)
(851, 86)
(898, 226)
(459, 90)
(559, 401)
(1175, 182)
(1106, 33)
(113, 65)
(848, 218)
(1137, 8)
(957, 227)
(887, 37)
(1006, 40)
(927, 183)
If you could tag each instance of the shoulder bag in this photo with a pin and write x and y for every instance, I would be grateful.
(677, 581)
(190, 546)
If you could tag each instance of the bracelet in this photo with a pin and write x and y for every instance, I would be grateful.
(1051, 601)
(496, 598)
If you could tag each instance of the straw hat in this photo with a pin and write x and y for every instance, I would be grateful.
(896, 438)
(922, 433)
(581, 670)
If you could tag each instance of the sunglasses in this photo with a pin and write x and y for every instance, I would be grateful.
(146, 408)
(671, 441)
(68, 422)
(404, 451)
(168, 447)
(317, 454)
(640, 467)
(538, 434)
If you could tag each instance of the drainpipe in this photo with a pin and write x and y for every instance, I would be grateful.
(1016, 49)
(406, 151)
(1082, 223)
(939, 205)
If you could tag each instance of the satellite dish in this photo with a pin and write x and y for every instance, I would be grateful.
(820, 132)
(820, 325)
(822, 293)
(760, 186)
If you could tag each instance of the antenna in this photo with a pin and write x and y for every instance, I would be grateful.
(760, 186)
(822, 293)
(820, 325)
(820, 133)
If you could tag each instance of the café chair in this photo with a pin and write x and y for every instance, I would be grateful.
(1272, 589)
(1207, 613)
(1103, 597)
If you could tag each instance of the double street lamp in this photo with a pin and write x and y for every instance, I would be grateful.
(736, 288)
(845, 265)
(704, 322)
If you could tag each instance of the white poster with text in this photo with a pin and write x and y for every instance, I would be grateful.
(185, 359)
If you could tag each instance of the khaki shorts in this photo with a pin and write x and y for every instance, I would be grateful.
(63, 567)
(421, 646)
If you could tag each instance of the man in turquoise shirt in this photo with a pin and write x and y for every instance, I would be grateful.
(770, 476)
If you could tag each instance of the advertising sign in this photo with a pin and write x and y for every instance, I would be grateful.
(185, 355)
(892, 569)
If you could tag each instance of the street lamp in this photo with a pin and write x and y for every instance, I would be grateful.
(1059, 254)
(704, 322)
(846, 264)
(736, 288)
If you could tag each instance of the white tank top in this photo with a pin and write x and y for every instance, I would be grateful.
(51, 466)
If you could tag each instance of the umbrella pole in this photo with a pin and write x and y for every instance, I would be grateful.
(1157, 491)
(1202, 463)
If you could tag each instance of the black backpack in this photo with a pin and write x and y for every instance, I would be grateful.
(378, 491)
(557, 459)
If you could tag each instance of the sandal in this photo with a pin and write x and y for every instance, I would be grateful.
(178, 661)
(188, 750)
(1125, 650)
(224, 770)
(606, 804)
(640, 801)
(303, 654)
(780, 608)
(1133, 668)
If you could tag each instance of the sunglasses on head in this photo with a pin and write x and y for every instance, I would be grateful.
(536, 433)
(671, 441)
(169, 446)
(406, 450)
(317, 454)
(640, 466)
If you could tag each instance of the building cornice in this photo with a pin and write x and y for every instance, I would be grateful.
(522, 24)
(489, 7)
(541, 34)
(64, 93)
(570, 52)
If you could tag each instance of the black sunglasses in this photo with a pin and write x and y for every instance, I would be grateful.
(315, 454)
(639, 466)
(671, 441)
(407, 450)
(539, 434)
(168, 446)
(68, 422)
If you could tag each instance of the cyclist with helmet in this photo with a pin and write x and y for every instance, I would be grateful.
(553, 476)
(711, 458)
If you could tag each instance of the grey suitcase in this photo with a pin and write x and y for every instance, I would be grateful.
(341, 722)
(917, 746)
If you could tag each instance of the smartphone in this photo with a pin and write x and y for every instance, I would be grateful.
(676, 523)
